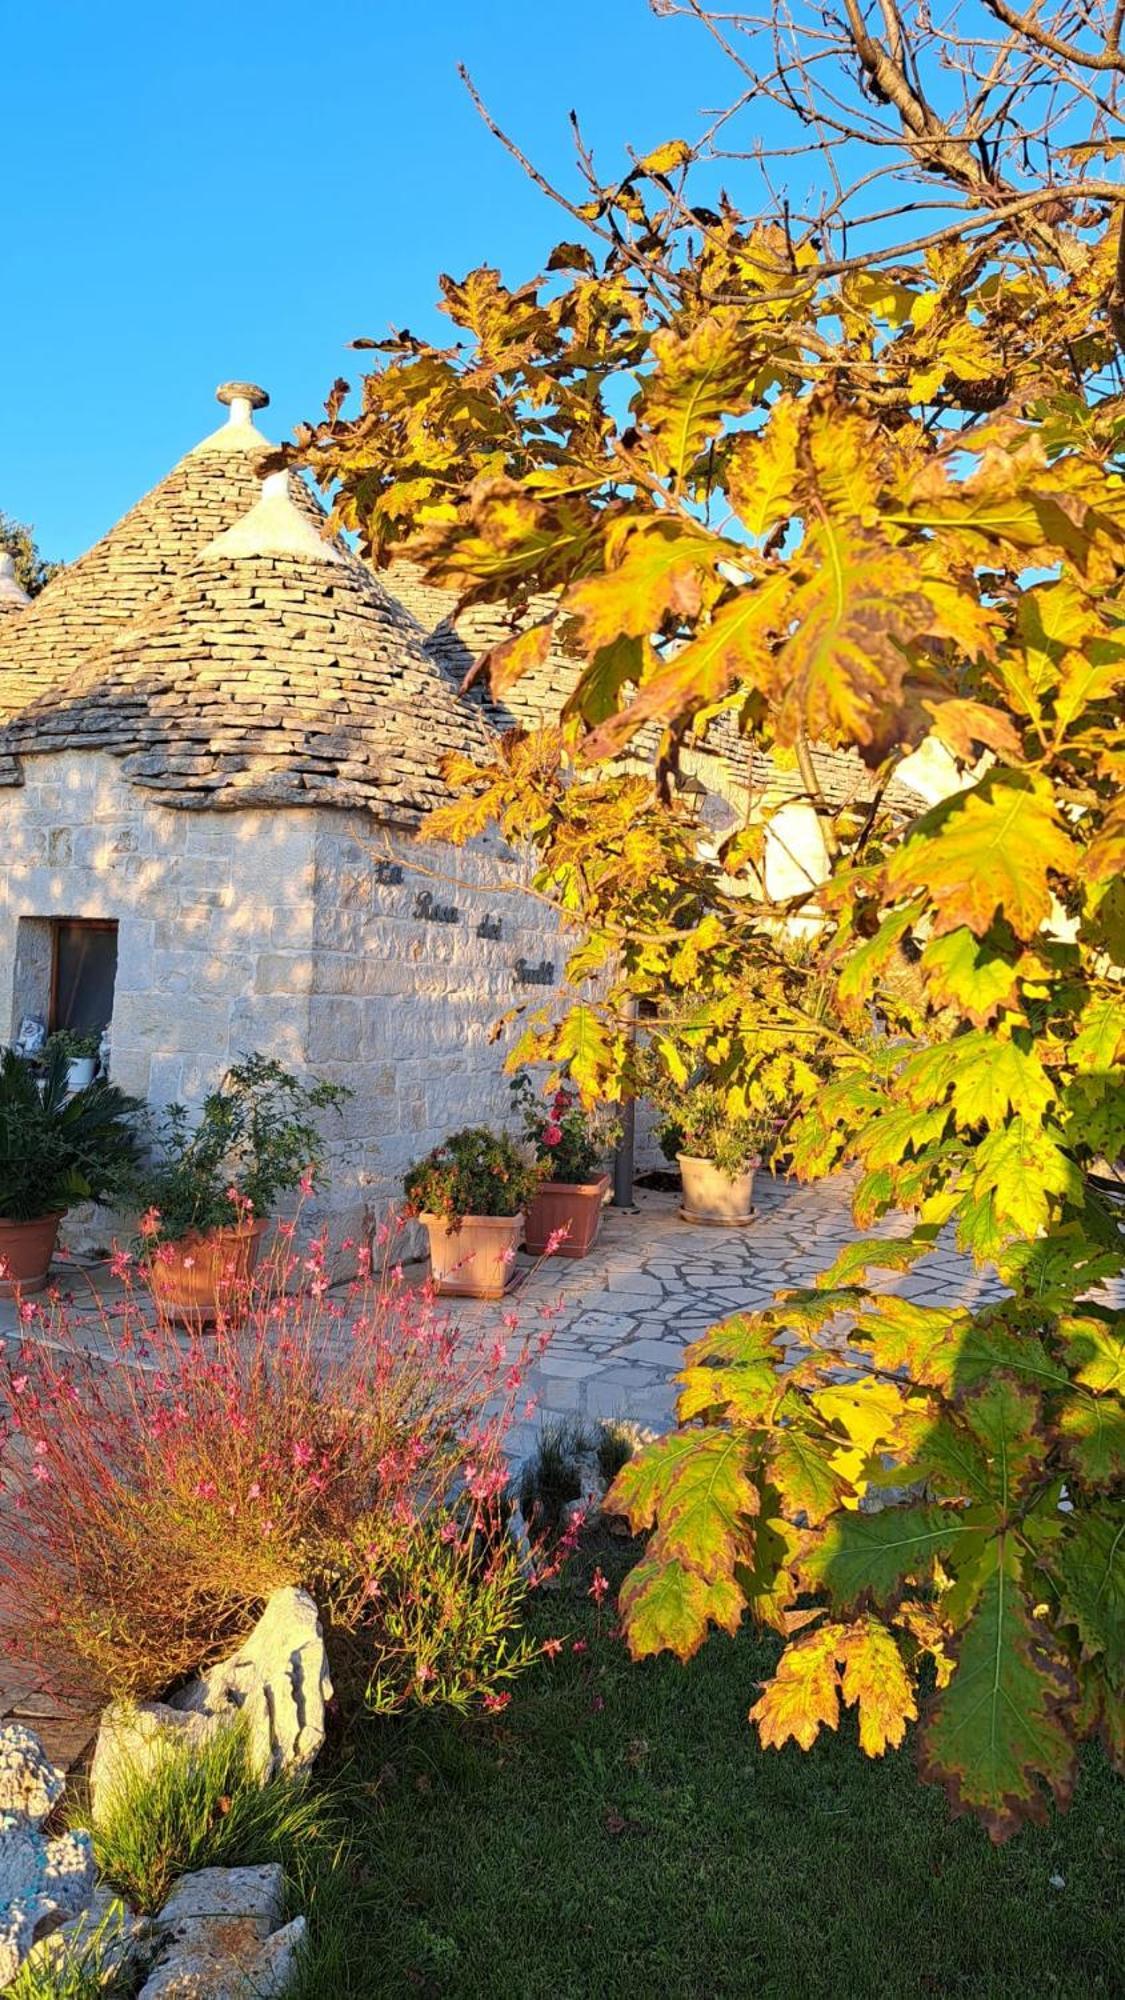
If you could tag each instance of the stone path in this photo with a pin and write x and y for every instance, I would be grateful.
(655, 1282)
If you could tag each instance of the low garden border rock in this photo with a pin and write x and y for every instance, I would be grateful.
(220, 1937)
(43, 1880)
(277, 1682)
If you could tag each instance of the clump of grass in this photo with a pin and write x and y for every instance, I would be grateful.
(617, 1442)
(552, 1476)
(203, 1806)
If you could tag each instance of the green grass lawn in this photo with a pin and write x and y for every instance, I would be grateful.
(618, 1833)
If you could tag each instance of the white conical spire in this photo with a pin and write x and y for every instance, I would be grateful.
(13, 596)
(274, 526)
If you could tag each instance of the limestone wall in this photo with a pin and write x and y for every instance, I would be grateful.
(293, 932)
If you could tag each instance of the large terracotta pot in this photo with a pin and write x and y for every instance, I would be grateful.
(711, 1196)
(26, 1249)
(476, 1261)
(575, 1206)
(198, 1277)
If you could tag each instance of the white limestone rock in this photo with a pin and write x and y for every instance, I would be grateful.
(196, 1974)
(278, 1682)
(29, 1783)
(42, 1883)
(254, 1895)
(106, 1937)
(133, 1740)
(219, 1937)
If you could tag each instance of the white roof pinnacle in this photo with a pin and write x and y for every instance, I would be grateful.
(239, 433)
(274, 526)
(13, 596)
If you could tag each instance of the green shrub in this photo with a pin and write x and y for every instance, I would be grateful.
(256, 1137)
(476, 1172)
(700, 1125)
(569, 1142)
(58, 1148)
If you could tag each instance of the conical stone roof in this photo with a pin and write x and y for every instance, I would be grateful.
(89, 600)
(231, 655)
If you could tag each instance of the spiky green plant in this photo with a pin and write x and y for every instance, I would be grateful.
(203, 1806)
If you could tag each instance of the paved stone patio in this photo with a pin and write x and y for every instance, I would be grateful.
(655, 1282)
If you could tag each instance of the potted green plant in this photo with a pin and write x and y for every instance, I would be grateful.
(470, 1194)
(570, 1145)
(58, 1147)
(211, 1182)
(717, 1153)
(81, 1052)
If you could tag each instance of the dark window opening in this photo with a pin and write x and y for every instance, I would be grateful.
(83, 971)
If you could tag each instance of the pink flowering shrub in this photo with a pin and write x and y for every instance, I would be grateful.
(351, 1442)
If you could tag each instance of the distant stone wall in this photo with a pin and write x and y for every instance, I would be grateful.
(285, 931)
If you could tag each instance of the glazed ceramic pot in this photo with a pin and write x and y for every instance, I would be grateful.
(477, 1260)
(200, 1276)
(80, 1072)
(26, 1250)
(575, 1206)
(711, 1196)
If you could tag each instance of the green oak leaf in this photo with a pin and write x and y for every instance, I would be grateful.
(666, 1607)
(868, 1558)
(994, 1736)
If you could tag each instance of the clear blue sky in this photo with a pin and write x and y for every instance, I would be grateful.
(198, 191)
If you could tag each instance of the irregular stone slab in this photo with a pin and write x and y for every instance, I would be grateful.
(107, 1935)
(263, 1971)
(42, 1882)
(253, 1895)
(133, 1740)
(29, 1783)
(278, 1682)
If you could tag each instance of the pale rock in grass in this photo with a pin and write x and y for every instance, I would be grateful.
(29, 1783)
(195, 1974)
(220, 1938)
(278, 1680)
(42, 1883)
(107, 1937)
(277, 1684)
(254, 1894)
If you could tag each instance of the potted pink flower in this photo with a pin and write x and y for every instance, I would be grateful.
(565, 1213)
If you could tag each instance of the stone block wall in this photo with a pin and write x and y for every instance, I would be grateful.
(409, 979)
(289, 931)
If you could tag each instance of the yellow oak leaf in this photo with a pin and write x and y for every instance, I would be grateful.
(804, 1694)
(876, 1682)
(987, 851)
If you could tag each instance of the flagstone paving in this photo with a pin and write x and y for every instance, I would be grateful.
(655, 1282)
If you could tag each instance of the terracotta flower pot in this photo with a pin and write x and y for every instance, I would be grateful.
(26, 1250)
(200, 1276)
(711, 1196)
(476, 1261)
(575, 1206)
